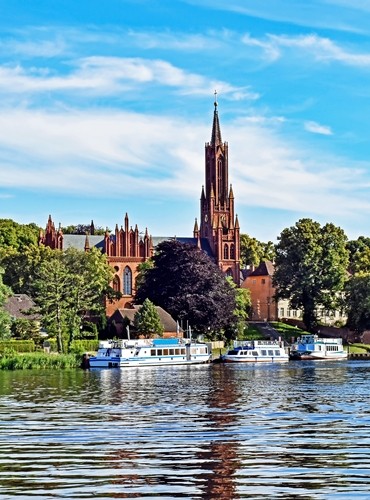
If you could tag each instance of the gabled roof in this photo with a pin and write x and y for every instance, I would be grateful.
(266, 268)
(18, 306)
(169, 324)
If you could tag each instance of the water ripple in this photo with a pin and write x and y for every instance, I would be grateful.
(298, 431)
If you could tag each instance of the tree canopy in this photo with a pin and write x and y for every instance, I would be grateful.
(311, 267)
(147, 321)
(5, 319)
(16, 237)
(358, 302)
(187, 283)
(252, 251)
(70, 286)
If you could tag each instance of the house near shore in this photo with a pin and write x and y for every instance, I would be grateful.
(121, 323)
(264, 306)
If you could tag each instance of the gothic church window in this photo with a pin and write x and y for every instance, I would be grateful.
(226, 252)
(127, 281)
(232, 251)
(116, 284)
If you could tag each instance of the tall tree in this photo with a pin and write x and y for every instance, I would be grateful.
(189, 285)
(69, 286)
(252, 251)
(15, 237)
(311, 267)
(147, 320)
(243, 305)
(5, 320)
(357, 302)
(359, 255)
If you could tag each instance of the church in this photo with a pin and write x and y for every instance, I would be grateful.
(217, 232)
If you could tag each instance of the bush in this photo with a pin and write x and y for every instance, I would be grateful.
(81, 346)
(17, 346)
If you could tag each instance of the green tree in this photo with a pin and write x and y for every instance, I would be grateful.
(243, 305)
(5, 319)
(70, 287)
(83, 229)
(21, 267)
(188, 284)
(252, 251)
(15, 237)
(147, 320)
(357, 300)
(311, 267)
(359, 255)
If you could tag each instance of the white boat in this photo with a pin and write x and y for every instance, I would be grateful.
(149, 352)
(312, 347)
(255, 351)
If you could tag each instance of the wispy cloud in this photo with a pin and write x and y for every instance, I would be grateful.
(319, 48)
(316, 128)
(98, 152)
(108, 75)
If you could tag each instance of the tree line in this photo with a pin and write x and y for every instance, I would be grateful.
(315, 266)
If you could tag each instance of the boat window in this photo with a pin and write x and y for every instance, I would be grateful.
(153, 352)
(193, 350)
(159, 352)
(254, 353)
(233, 353)
(165, 352)
(177, 352)
(182, 352)
(263, 352)
(270, 352)
(172, 352)
(277, 353)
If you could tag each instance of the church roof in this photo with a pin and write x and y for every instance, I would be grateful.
(216, 130)
(78, 241)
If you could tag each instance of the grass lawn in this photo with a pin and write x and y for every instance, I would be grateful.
(287, 331)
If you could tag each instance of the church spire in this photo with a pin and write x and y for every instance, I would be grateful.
(216, 130)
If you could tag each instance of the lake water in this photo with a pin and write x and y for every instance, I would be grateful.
(298, 430)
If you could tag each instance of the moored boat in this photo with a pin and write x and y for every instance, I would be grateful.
(312, 347)
(150, 352)
(255, 351)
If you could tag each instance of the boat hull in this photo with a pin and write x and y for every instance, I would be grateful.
(273, 360)
(122, 363)
(316, 356)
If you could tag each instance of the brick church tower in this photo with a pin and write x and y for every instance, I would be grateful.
(218, 223)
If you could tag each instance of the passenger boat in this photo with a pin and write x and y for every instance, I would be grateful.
(149, 352)
(312, 347)
(255, 351)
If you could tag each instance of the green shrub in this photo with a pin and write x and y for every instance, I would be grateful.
(17, 346)
(81, 346)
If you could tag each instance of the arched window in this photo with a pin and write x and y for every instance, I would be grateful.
(226, 252)
(116, 284)
(232, 251)
(127, 281)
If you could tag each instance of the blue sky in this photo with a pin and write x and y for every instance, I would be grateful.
(105, 107)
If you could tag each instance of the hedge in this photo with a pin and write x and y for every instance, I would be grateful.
(17, 346)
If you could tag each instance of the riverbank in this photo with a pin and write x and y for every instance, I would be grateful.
(39, 361)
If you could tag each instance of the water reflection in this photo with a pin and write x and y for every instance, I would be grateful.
(215, 431)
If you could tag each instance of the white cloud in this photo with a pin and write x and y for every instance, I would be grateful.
(320, 48)
(316, 128)
(100, 153)
(109, 75)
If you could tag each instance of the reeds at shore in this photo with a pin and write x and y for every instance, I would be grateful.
(38, 361)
